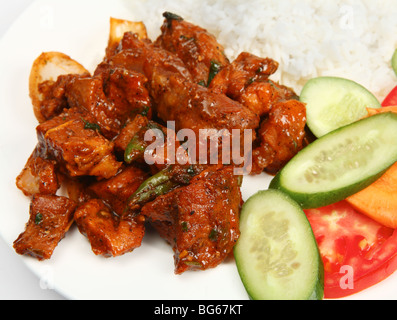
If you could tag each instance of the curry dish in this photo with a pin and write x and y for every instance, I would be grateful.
(91, 141)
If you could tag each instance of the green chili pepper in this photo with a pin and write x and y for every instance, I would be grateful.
(154, 186)
(135, 148)
(159, 184)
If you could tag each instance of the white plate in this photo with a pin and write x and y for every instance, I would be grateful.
(80, 29)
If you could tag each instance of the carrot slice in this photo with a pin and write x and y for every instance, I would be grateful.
(378, 201)
(372, 111)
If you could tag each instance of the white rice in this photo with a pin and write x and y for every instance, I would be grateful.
(354, 39)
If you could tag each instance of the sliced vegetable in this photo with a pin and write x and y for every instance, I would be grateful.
(151, 188)
(378, 201)
(394, 62)
(135, 148)
(391, 99)
(162, 182)
(357, 252)
(372, 112)
(47, 67)
(277, 255)
(340, 163)
(333, 102)
(118, 27)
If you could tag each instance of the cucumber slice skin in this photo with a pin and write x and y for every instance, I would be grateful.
(327, 97)
(308, 283)
(326, 194)
(322, 199)
(394, 62)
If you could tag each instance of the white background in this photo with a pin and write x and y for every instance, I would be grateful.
(17, 282)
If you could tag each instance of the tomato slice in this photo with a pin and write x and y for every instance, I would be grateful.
(357, 251)
(391, 99)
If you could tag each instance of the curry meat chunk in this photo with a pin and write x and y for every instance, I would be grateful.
(112, 96)
(117, 190)
(195, 107)
(50, 218)
(281, 135)
(38, 176)
(246, 80)
(244, 70)
(195, 46)
(109, 235)
(54, 99)
(199, 220)
(77, 146)
(144, 57)
(131, 129)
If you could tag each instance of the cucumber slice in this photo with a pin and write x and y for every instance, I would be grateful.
(277, 255)
(340, 163)
(335, 102)
(394, 62)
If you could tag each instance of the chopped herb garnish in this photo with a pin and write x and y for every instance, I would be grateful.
(38, 219)
(214, 69)
(272, 84)
(145, 111)
(213, 236)
(201, 83)
(251, 80)
(184, 226)
(183, 37)
(92, 126)
(172, 16)
(191, 170)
